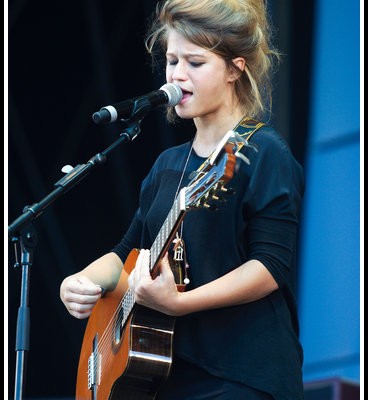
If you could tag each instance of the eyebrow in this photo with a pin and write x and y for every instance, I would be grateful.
(186, 55)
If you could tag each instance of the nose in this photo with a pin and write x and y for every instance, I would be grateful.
(179, 72)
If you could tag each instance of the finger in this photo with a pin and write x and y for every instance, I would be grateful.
(77, 311)
(80, 285)
(165, 267)
(71, 297)
(80, 308)
(131, 279)
(141, 265)
(85, 286)
(137, 267)
(145, 266)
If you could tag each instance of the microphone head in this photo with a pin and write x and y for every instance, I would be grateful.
(101, 116)
(173, 92)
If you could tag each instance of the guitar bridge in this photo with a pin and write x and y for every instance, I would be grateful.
(94, 366)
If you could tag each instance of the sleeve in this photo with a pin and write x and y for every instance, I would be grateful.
(131, 239)
(273, 205)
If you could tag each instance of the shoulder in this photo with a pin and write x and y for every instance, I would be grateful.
(270, 157)
(267, 138)
(268, 146)
(261, 135)
(273, 172)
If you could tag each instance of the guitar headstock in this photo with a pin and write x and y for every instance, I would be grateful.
(212, 176)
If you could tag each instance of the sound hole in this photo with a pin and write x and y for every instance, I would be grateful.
(119, 328)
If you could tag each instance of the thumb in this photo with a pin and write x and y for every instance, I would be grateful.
(85, 285)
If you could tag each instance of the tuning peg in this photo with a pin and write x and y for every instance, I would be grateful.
(227, 190)
(210, 207)
(242, 157)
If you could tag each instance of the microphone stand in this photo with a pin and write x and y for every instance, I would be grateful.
(28, 240)
(21, 231)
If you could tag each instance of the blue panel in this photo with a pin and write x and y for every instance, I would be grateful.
(329, 275)
(329, 266)
(336, 90)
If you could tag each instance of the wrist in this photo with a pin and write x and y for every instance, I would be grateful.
(180, 305)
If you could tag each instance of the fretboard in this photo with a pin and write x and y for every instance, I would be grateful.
(167, 232)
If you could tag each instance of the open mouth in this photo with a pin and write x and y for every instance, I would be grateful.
(186, 95)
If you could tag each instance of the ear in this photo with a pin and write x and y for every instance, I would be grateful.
(239, 64)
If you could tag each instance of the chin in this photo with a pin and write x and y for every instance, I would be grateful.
(184, 114)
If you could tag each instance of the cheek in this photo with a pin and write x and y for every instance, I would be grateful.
(213, 86)
(168, 74)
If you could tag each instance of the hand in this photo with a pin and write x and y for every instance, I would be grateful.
(160, 293)
(79, 295)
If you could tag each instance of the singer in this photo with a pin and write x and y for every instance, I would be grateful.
(236, 325)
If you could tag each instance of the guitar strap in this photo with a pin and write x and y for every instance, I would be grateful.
(245, 128)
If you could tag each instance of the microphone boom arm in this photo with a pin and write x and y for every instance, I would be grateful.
(79, 172)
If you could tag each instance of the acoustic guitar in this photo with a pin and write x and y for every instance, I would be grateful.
(126, 352)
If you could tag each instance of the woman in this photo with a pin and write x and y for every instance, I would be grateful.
(236, 332)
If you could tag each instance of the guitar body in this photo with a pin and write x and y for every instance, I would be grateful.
(124, 357)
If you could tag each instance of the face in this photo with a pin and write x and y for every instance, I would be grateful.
(206, 83)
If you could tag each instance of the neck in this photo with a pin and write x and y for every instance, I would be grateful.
(210, 132)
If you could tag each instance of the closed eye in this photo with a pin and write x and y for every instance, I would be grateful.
(196, 64)
(172, 62)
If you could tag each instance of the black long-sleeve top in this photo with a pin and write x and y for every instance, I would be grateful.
(254, 343)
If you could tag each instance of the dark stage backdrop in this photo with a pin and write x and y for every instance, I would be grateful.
(66, 60)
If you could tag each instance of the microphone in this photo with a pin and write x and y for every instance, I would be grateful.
(168, 94)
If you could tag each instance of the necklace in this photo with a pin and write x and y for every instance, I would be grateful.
(185, 167)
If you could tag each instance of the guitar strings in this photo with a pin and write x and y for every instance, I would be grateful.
(118, 321)
(181, 179)
(101, 357)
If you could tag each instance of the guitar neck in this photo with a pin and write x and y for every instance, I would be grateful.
(167, 232)
(159, 248)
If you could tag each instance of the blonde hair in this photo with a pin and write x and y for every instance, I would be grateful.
(230, 29)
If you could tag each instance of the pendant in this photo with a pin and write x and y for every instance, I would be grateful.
(178, 249)
(178, 258)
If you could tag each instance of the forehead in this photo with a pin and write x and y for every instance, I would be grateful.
(177, 43)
